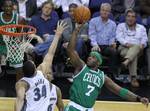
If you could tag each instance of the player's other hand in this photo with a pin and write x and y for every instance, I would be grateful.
(61, 26)
(145, 101)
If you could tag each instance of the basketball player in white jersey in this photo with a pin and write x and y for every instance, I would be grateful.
(34, 91)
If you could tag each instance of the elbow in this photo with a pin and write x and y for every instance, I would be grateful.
(70, 52)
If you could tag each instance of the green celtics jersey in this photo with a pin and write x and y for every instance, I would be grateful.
(86, 87)
(14, 20)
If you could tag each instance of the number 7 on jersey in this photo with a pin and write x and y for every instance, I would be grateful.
(91, 89)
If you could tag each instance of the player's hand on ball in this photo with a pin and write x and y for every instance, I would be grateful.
(145, 101)
(61, 26)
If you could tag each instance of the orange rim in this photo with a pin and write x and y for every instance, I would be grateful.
(16, 34)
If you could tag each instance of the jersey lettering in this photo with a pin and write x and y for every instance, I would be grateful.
(92, 78)
(39, 93)
(50, 107)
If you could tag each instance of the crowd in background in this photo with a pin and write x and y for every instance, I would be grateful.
(118, 29)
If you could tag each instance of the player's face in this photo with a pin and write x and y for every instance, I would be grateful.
(47, 9)
(92, 61)
(105, 12)
(8, 7)
(131, 19)
(71, 12)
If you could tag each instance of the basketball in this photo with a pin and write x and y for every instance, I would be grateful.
(82, 14)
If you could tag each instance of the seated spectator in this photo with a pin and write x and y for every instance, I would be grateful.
(68, 32)
(62, 58)
(26, 8)
(119, 7)
(133, 39)
(102, 35)
(45, 23)
(145, 10)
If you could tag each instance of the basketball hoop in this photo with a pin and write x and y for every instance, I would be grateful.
(16, 38)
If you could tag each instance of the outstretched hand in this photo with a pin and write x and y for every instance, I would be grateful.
(145, 101)
(61, 26)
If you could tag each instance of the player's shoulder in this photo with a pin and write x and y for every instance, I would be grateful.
(22, 83)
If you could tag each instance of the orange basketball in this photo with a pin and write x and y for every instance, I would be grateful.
(82, 14)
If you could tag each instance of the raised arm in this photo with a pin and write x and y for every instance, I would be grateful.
(21, 87)
(73, 55)
(124, 93)
(45, 66)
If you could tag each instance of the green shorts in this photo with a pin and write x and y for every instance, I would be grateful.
(70, 108)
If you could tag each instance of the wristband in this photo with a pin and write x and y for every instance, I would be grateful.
(123, 92)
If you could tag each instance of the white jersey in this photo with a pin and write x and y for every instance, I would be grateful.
(37, 97)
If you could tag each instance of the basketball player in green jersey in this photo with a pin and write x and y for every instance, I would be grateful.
(88, 81)
(7, 17)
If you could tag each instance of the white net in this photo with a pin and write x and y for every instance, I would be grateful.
(16, 46)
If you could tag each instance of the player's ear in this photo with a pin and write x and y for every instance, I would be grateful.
(98, 63)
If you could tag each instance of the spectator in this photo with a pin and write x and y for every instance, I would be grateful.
(102, 35)
(132, 38)
(145, 10)
(26, 8)
(68, 32)
(119, 7)
(45, 23)
(60, 59)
